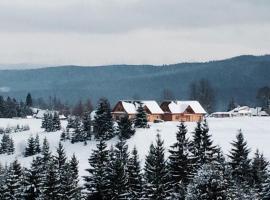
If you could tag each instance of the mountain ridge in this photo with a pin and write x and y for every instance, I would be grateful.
(238, 77)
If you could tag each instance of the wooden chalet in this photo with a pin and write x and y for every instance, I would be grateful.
(187, 111)
(122, 108)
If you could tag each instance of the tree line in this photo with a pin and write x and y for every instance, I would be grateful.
(194, 169)
(48, 177)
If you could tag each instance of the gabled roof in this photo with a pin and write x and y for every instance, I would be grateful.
(181, 106)
(131, 106)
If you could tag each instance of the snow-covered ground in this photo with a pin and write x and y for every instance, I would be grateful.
(255, 129)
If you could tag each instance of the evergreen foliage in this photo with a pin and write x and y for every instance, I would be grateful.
(135, 181)
(103, 122)
(156, 172)
(179, 163)
(96, 183)
(125, 128)
(51, 122)
(239, 161)
(141, 117)
(208, 184)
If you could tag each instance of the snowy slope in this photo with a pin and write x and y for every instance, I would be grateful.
(256, 130)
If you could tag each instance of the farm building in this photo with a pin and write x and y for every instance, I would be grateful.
(182, 111)
(122, 108)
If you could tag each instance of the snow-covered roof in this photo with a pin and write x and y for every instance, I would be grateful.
(181, 106)
(131, 106)
(40, 113)
(153, 107)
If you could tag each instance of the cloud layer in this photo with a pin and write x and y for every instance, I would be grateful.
(96, 32)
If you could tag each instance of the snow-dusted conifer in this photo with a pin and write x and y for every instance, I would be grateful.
(208, 183)
(179, 163)
(156, 172)
(125, 129)
(141, 117)
(30, 149)
(239, 161)
(135, 183)
(96, 183)
(103, 122)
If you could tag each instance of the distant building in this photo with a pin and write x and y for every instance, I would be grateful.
(221, 114)
(187, 111)
(258, 111)
(241, 111)
(129, 107)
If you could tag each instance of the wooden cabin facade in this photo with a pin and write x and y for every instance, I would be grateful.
(152, 109)
(186, 111)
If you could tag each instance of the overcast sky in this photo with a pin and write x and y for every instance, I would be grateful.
(98, 32)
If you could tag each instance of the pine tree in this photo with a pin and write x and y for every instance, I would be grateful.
(51, 182)
(44, 123)
(265, 194)
(207, 148)
(30, 149)
(259, 170)
(97, 182)
(135, 183)
(125, 129)
(63, 136)
(13, 185)
(78, 134)
(29, 101)
(239, 161)
(118, 177)
(179, 163)
(86, 121)
(37, 145)
(56, 122)
(208, 183)
(11, 147)
(141, 117)
(33, 180)
(4, 145)
(74, 191)
(103, 122)
(156, 172)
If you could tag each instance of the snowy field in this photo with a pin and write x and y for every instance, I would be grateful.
(256, 130)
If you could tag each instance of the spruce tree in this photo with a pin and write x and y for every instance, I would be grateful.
(207, 148)
(141, 117)
(75, 190)
(13, 184)
(86, 121)
(156, 172)
(103, 122)
(51, 181)
(118, 177)
(37, 145)
(259, 171)
(265, 194)
(208, 183)
(96, 183)
(29, 101)
(33, 180)
(30, 149)
(125, 129)
(135, 182)
(56, 122)
(179, 163)
(239, 161)
(196, 147)
(11, 148)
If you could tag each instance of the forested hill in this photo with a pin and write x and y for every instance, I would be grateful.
(238, 77)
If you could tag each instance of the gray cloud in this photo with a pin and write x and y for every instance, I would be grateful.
(96, 32)
(119, 16)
